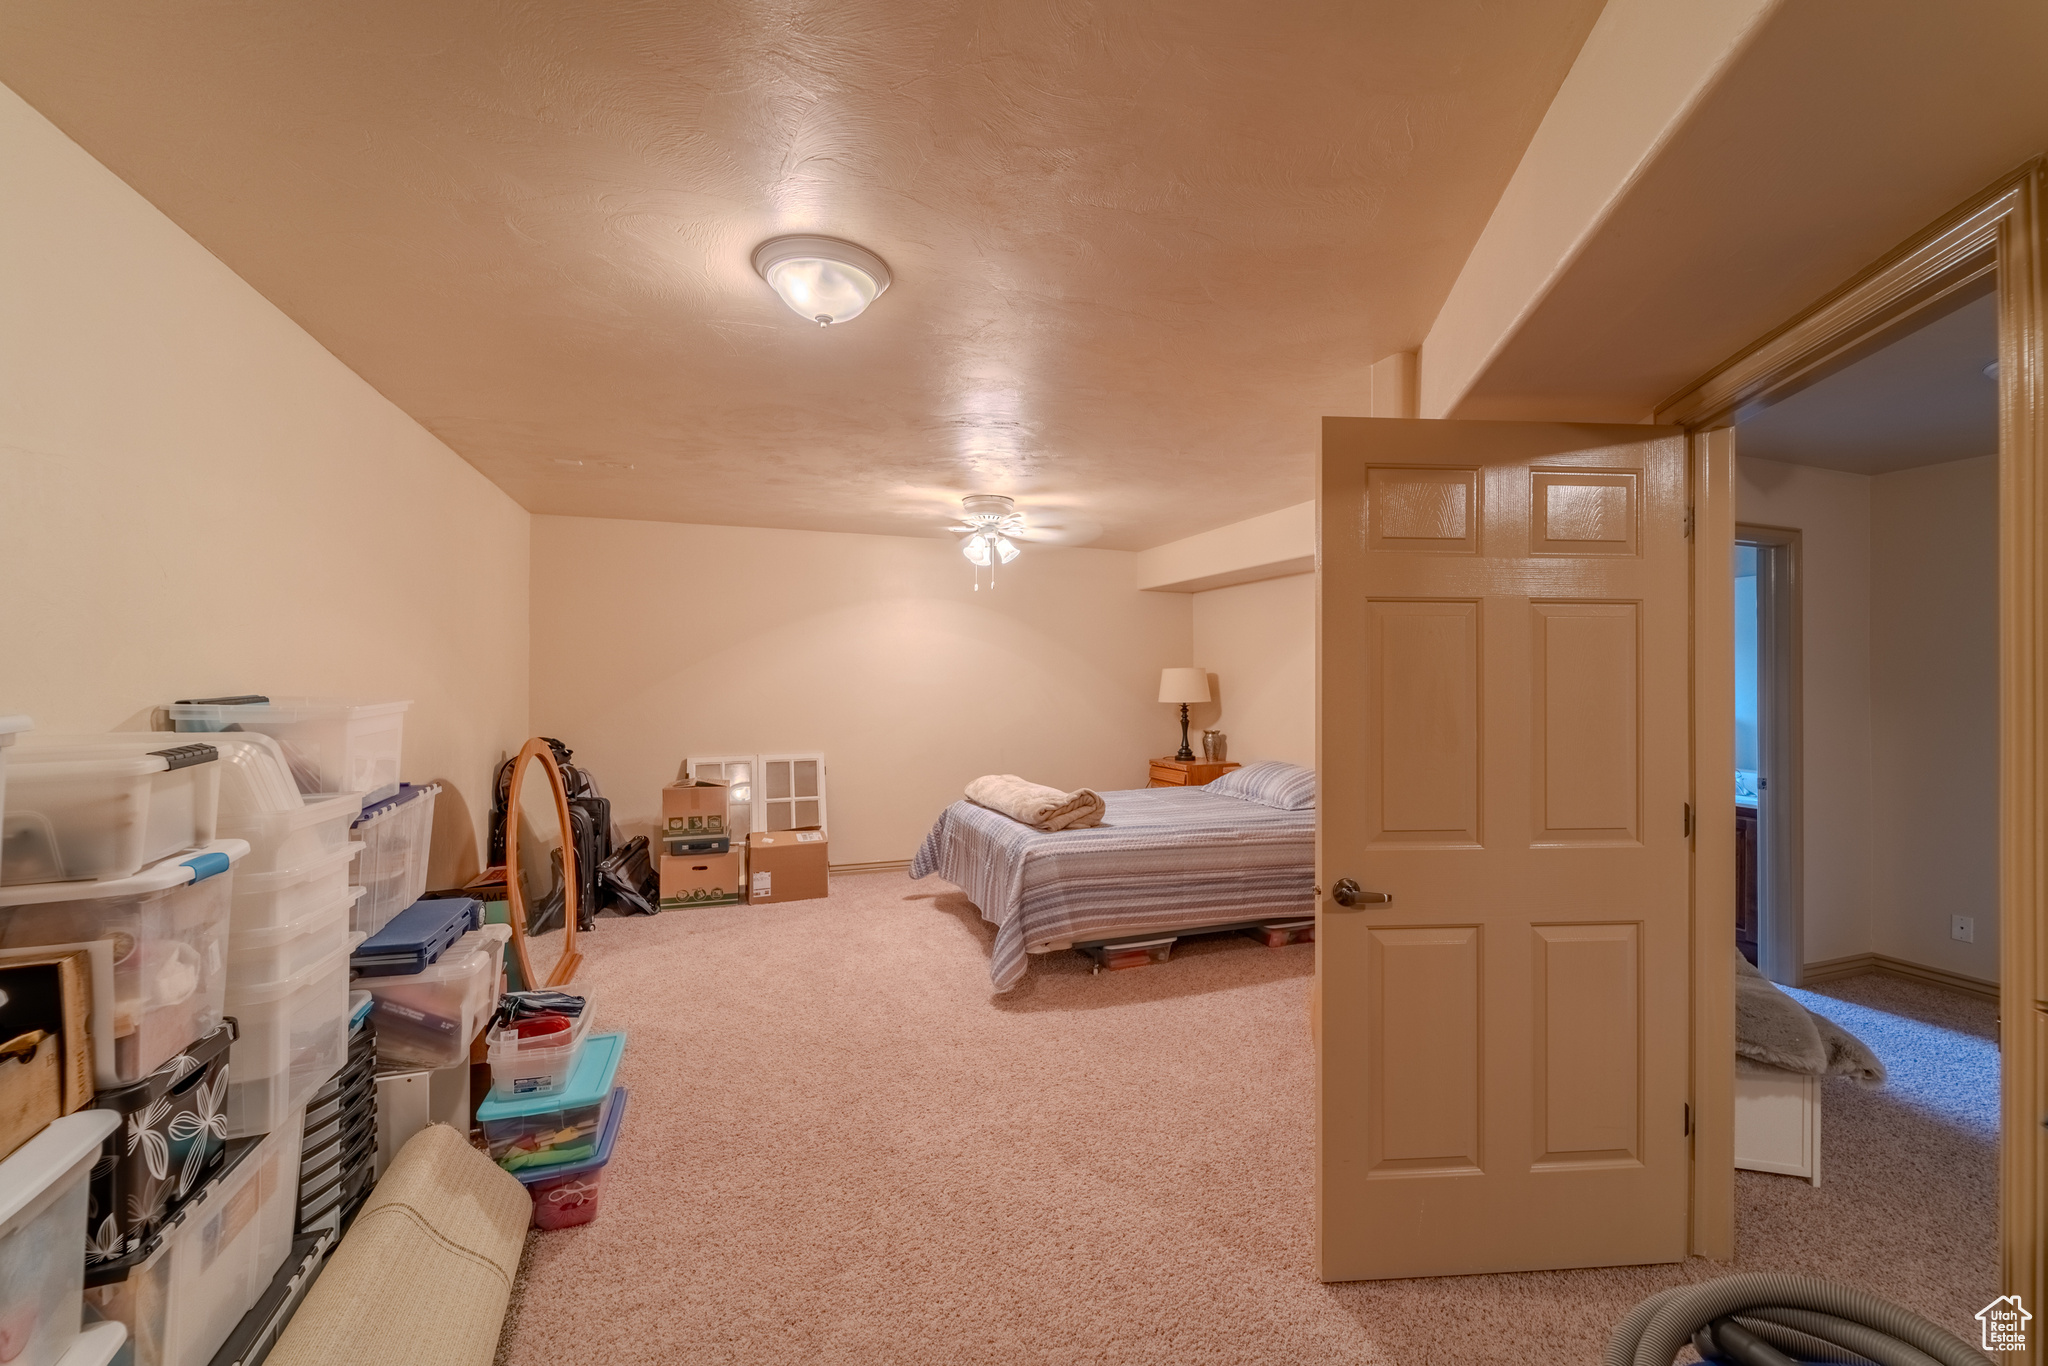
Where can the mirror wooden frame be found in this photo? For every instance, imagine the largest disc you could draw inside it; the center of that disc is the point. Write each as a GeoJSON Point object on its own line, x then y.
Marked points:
{"type": "Point", "coordinates": [515, 896]}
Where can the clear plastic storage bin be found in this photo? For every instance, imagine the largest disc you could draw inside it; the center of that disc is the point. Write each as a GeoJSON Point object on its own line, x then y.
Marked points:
{"type": "Point", "coordinates": [536, 1066]}
{"type": "Point", "coordinates": [10, 726]}
{"type": "Point", "coordinates": [159, 943]}
{"type": "Point", "coordinates": [259, 956]}
{"type": "Point", "coordinates": [267, 901]}
{"type": "Point", "coordinates": [531, 1132]}
{"type": "Point", "coordinates": [396, 835]}
{"type": "Point", "coordinates": [87, 811]}
{"type": "Point", "coordinates": [214, 1259]}
{"type": "Point", "coordinates": [566, 1196]}
{"type": "Point", "coordinates": [42, 1237]}
{"type": "Point", "coordinates": [294, 1036]}
{"type": "Point", "coordinates": [281, 841]}
{"type": "Point", "coordinates": [258, 803]}
{"type": "Point", "coordinates": [427, 1019]}
{"type": "Point", "coordinates": [329, 746]}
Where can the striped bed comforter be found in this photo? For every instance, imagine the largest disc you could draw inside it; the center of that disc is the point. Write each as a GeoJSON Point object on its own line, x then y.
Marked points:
{"type": "Point", "coordinates": [1163, 859]}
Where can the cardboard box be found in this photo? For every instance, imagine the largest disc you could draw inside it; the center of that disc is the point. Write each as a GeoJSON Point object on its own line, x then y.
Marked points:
{"type": "Point", "coordinates": [785, 865]}
{"type": "Point", "coordinates": [693, 809]}
{"type": "Point", "coordinates": [702, 880]}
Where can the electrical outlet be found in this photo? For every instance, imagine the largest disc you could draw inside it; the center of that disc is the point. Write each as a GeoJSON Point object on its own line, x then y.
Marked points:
{"type": "Point", "coordinates": [1962, 927]}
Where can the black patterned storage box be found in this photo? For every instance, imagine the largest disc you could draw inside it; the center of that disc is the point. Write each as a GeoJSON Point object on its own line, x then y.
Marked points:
{"type": "Point", "coordinates": [173, 1131]}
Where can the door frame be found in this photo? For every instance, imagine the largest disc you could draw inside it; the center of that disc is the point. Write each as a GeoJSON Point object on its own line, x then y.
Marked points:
{"type": "Point", "coordinates": [1781, 825]}
{"type": "Point", "coordinates": [1998, 233]}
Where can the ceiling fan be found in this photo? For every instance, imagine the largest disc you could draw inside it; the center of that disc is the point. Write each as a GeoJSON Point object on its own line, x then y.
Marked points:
{"type": "Point", "coordinates": [988, 521]}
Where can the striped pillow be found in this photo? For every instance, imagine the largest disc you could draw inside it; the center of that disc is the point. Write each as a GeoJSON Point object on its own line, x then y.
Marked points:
{"type": "Point", "coordinates": [1287, 787]}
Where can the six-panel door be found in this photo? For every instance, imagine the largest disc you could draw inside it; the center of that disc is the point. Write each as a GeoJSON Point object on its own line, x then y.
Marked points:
{"type": "Point", "coordinates": [1503, 748]}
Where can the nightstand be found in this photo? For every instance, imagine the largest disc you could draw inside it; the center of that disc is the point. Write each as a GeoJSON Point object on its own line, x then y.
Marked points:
{"type": "Point", "coordinates": [1186, 772]}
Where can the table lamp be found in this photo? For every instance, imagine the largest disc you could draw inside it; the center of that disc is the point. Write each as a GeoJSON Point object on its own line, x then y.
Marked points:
{"type": "Point", "coordinates": [1184, 686]}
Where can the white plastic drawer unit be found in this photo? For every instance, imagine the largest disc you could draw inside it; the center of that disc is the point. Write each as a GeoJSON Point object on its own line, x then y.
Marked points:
{"type": "Point", "coordinates": [769, 791]}
{"type": "Point", "coordinates": [89, 811]}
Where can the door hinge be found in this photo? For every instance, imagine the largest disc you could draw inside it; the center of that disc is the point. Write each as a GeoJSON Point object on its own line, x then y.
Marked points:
{"type": "Point", "coordinates": [1688, 1121]}
{"type": "Point", "coordinates": [1688, 523]}
{"type": "Point", "coordinates": [1688, 820]}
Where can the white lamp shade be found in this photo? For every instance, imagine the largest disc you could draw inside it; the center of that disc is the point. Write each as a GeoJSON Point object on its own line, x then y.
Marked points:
{"type": "Point", "coordinates": [1183, 685]}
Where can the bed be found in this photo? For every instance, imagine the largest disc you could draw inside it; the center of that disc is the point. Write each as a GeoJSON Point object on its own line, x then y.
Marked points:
{"type": "Point", "coordinates": [1163, 860]}
{"type": "Point", "coordinates": [1782, 1051]}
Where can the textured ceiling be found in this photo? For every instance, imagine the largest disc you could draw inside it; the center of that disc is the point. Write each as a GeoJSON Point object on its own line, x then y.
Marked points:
{"type": "Point", "coordinates": [1922, 400]}
{"type": "Point", "coordinates": [1139, 248]}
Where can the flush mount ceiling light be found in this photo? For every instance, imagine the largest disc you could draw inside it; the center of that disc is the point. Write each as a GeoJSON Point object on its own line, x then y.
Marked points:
{"type": "Point", "coordinates": [822, 278]}
{"type": "Point", "coordinates": [989, 519]}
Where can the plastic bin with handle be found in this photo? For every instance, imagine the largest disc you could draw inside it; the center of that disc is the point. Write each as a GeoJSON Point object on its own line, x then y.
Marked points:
{"type": "Point", "coordinates": [88, 811]}
{"type": "Point", "coordinates": [526, 1063]}
{"type": "Point", "coordinates": [188, 1287]}
{"type": "Point", "coordinates": [258, 803]}
{"type": "Point", "coordinates": [429, 1018]}
{"type": "Point", "coordinates": [531, 1132]}
{"type": "Point", "coordinates": [158, 946]}
{"type": "Point", "coordinates": [331, 746]}
{"type": "Point", "coordinates": [397, 835]}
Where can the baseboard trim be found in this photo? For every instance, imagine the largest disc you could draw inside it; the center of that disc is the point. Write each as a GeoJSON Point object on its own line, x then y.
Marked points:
{"type": "Point", "coordinates": [898, 865]}
{"type": "Point", "coordinates": [1836, 968]}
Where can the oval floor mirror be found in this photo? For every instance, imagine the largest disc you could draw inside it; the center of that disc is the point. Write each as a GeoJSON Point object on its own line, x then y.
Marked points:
{"type": "Point", "coordinates": [540, 870]}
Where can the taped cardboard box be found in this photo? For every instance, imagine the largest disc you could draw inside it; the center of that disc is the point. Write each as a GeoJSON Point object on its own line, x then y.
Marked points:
{"type": "Point", "coordinates": [694, 810]}
{"type": "Point", "coordinates": [785, 865]}
{"type": "Point", "coordinates": [702, 880]}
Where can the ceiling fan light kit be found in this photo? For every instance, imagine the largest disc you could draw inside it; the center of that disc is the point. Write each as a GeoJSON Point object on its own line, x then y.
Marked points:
{"type": "Point", "coordinates": [822, 278]}
{"type": "Point", "coordinates": [989, 520]}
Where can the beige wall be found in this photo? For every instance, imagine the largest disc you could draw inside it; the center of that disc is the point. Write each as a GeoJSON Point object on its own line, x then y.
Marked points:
{"type": "Point", "coordinates": [196, 498]}
{"type": "Point", "coordinates": [1643, 67]}
{"type": "Point", "coordinates": [1900, 651]}
{"type": "Point", "coordinates": [1934, 713]}
{"type": "Point", "coordinates": [1271, 545]}
{"type": "Point", "coordinates": [655, 641]}
{"type": "Point", "coordinates": [1258, 641]}
{"type": "Point", "coordinates": [1832, 511]}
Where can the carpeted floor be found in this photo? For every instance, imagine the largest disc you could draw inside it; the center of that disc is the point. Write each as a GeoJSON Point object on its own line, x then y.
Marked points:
{"type": "Point", "coordinates": [842, 1149]}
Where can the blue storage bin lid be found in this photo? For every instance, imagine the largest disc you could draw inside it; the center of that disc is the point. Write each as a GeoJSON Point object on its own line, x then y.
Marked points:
{"type": "Point", "coordinates": [589, 1084]}
{"type": "Point", "coordinates": [417, 936]}
{"type": "Point", "coordinates": [606, 1136]}
{"type": "Point", "coordinates": [384, 807]}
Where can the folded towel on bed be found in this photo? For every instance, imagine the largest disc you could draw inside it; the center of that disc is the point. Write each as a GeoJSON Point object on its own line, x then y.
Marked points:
{"type": "Point", "coordinates": [1773, 1029]}
{"type": "Point", "coordinates": [1042, 808]}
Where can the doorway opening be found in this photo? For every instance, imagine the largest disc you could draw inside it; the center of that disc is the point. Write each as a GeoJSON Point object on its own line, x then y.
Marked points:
{"type": "Point", "coordinates": [1867, 748]}
{"type": "Point", "coordinates": [1768, 809]}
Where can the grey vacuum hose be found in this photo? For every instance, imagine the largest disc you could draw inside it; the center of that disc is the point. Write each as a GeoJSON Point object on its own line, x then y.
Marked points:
{"type": "Point", "coordinates": [1758, 1318]}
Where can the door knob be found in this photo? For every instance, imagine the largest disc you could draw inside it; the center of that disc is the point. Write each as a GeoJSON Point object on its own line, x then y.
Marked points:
{"type": "Point", "coordinates": [1348, 894]}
